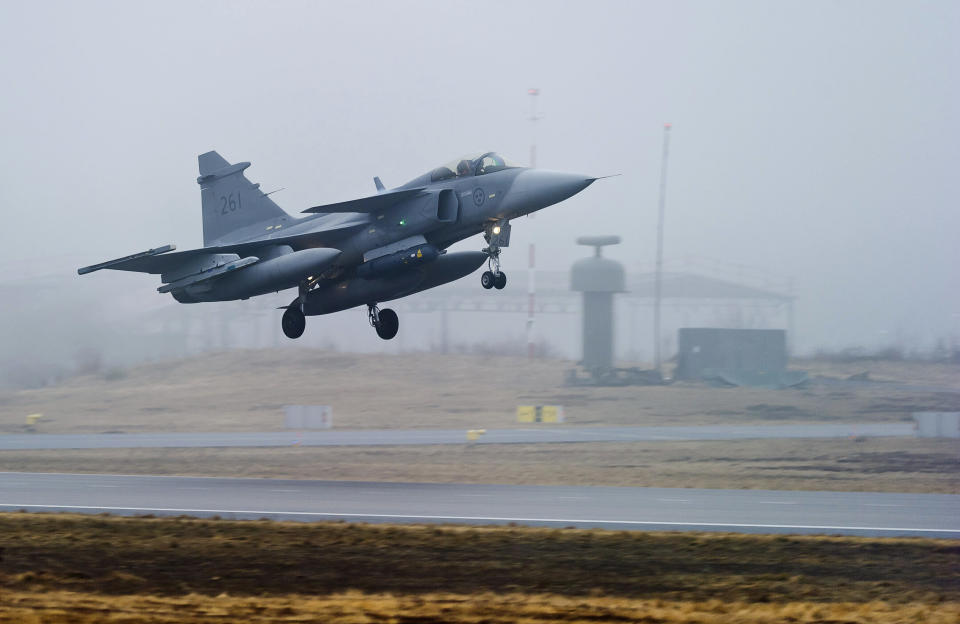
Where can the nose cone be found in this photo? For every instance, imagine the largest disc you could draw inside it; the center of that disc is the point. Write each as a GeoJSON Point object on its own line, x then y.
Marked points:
{"type": "Point", "coordinates": [535, 189]}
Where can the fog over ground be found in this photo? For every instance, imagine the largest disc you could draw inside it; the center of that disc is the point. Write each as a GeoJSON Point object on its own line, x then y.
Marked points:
{"type": "Point", "coordinates": [814, 140]}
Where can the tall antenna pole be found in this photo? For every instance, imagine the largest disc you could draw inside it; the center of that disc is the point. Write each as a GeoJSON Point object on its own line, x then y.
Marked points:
{"type": "Point", "coordinates": [657, 285]}
{"type": "Point", "coordinates": [534, 93]}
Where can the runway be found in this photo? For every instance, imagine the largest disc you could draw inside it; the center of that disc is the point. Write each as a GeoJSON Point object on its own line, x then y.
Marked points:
{"type": "Point", "coordinates": [741, 511]}
{"type": "Point", "coordinates": [393, 437]}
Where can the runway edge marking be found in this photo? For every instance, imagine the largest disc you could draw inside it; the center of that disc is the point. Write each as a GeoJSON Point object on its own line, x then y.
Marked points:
{"type": "Point", "coordinates": [15, 507]}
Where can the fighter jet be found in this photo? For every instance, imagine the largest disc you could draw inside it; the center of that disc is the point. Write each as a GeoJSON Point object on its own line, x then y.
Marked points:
{"type": "Point", "coordinates": [360, 252]}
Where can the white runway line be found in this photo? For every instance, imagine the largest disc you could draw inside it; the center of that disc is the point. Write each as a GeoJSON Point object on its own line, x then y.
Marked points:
{"type": "Point", "coordinates": [318, 514]}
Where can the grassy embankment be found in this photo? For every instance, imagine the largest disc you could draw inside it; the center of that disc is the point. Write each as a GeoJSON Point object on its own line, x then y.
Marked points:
{"type": "Point", "coordinates": [246, 391]}
{"type": "Point", "coordinates": [873, 465]}
{"type": "Point", "coordinates": [62, 568]}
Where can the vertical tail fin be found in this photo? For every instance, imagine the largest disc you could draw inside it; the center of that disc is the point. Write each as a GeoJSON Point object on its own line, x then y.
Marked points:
{"type": "Point", "coordinates": [231, 203]}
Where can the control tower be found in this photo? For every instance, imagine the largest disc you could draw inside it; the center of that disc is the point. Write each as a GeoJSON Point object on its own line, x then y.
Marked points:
{"type": "Point", "coordinates": [598, 278]}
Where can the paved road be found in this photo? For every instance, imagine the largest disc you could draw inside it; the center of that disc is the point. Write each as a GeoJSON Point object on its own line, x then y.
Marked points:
{"type": "Point", "coordinates": [382, 437]}
{"type": "Point", "coordinates": [883, 385]}
{"type": "Point", "coordinates": [744, 511]}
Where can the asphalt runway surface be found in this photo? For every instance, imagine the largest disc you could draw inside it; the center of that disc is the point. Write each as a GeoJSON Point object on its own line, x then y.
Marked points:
{"type": "Point", "coordinates": [741, 511]}
{"type": "Point", "coordinates": [393, 437]}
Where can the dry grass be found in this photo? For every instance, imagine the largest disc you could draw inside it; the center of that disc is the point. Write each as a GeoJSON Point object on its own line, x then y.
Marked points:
{"type": "Point", "coordinates": [357, 608]}
{"type": "Point", "coordinates": [179, 556]}
{"type": "Point", "coordinates": [67, 568]}
{"type": "Point", "coordinates": [63, 568]}
{"type": "Point", "coordinates": [245, 391]}
{"type": "Point", "coordinates": [909, 372]}
{"type": "Point", "coordinates": [877, 465]}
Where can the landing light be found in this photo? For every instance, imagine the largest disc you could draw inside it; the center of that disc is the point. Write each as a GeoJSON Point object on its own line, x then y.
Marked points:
{"type": "Point", "coordinates": [496, 229]}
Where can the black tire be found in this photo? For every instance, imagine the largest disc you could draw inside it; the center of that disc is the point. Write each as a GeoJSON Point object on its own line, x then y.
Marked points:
{"type": "Point", "coordinates": [500, 280]}
{"type": "Point", "coordinates": [487, 280]}
{"type": "Point", "coordinates": [293, 321]}
{"type": "Point", "coordinates": [389, 324]}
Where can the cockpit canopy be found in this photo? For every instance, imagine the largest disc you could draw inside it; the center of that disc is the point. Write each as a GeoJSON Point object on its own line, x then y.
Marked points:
{"type": "Point", "coordinates": [471, 165]}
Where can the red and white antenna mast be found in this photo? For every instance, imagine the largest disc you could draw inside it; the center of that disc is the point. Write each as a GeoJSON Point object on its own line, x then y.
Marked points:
{"type": "Point", "coordinates": [534, 93]}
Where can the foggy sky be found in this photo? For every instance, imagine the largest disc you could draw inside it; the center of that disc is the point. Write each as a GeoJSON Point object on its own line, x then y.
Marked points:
{"type": "Point", "coordinates": [814, 140]}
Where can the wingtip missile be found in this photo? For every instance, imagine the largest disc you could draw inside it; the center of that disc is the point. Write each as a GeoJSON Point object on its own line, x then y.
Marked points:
{"type": "Point", "coordinates": [110, 263]}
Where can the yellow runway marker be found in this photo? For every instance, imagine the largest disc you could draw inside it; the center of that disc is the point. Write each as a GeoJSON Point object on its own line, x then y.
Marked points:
{"type": "Point", "coordinates": [473, 434]}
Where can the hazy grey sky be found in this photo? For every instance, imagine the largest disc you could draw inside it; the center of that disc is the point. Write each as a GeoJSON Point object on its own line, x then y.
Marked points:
{"type": "Point", "coordinates": [818, 140]}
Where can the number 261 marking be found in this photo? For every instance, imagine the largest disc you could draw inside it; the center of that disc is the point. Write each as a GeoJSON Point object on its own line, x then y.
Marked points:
{"type": "Point", "coordinates": [229, 204]}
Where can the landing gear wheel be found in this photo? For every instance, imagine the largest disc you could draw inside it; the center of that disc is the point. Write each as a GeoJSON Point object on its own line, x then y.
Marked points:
{"type": "Point", "coordinates": [389, 324]}
{"type": "Point", "coordinates": [293, 321]}
{"type": "Point", "coordinates": [488, 280]}
{"type": "Point", "coordinates": [500, 280]}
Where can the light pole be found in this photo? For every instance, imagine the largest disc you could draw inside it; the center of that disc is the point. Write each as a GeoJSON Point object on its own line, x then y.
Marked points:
{"type": "Point", "coordinates": [658, 279]}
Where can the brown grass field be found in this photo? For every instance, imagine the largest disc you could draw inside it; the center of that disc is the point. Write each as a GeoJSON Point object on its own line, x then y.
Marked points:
{"type": "Point", "coordinates": [877, 465]}
{"type": "Point", "coordinates": [66, 568]}
{"type": "Point", "coordinates": [81, 569]}
{"type": "Point", "coordinates": [484, 608]}
{"type": "Point", "coordinates": [246, 390]}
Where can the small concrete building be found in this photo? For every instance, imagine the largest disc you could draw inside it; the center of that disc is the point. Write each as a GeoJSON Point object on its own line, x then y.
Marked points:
{"type": "Point", "coordinates": [937, 424]}
{"type": "Point", "coordinates": [703, 351]}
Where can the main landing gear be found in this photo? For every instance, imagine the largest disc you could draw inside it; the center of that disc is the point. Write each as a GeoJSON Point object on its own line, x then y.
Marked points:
{"type": "Point", "coordinates": [385, 321]}
{"type": "Point", "coordinates": [293, 321]}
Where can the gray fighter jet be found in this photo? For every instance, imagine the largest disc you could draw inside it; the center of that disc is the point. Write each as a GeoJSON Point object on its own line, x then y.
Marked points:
{"type": "Point", "coordinates": [358, 252]}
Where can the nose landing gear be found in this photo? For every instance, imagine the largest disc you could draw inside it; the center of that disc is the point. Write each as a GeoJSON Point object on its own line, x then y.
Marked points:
{"type": "Point", "coordinates": [493, 279]}
{"type": "Point", "coordinates": [487, 280]}
{"type": "Point", "coordinates": [497, 236]}
{"type": "Point", "coordinates": [385, 321]}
